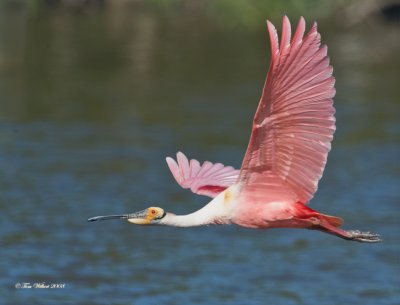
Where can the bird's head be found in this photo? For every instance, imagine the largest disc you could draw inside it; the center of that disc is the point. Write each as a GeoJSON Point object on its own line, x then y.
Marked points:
{"type": "Point", "coordinates": [149, 216]}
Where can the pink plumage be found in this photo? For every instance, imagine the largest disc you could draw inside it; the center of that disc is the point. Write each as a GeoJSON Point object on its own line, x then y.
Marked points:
{"type": "Point", "coordinates": [292, 129]}
{"type": "Point", "coordinates": [208, 179]}
{"type": "Point", "coordinates": [290, 140]}
{"type": "Point", "coordinates": [294, 123]}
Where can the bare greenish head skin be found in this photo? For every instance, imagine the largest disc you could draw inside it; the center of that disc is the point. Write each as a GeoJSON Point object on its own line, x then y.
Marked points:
{"type": "Point", "coordinates": [151, 215]}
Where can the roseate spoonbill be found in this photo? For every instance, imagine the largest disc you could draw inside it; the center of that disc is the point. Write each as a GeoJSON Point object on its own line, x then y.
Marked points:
{"type": "Point", "coordinates": [290, 139]}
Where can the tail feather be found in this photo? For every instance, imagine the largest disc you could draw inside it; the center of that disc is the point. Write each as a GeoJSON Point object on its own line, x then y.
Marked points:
{"type": "Point", "coordinates": [302, 211]}
{"type": "Point", "coordinates": [332, 220]}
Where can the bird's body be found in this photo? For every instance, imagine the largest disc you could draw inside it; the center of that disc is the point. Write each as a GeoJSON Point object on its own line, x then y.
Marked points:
{"type": "Point", "coordinates": [291, 136]}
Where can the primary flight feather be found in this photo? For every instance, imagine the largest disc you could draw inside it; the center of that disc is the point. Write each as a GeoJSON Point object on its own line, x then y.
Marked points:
{"type": "Point", "coordinates": [290, 140]}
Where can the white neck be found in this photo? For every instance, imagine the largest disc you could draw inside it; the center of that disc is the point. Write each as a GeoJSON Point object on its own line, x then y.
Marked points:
{"type": "Point", "coordinates": [217, 211]}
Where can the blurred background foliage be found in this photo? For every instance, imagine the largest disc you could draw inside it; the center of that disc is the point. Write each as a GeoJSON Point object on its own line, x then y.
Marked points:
{"type": "Point", "coordinates": [88, 59]}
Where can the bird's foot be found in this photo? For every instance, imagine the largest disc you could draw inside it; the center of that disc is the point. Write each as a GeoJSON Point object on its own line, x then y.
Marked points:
{"type": "Point", "coordinates": [364, 237]}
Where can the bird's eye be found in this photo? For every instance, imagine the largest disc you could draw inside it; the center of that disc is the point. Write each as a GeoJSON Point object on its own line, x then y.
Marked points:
{"type": "Point", "coordinates": [153, 211]}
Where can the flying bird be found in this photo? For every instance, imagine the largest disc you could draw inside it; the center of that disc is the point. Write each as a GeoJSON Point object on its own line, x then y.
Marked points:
{"type": "Point", "coordinates": [290, 140]}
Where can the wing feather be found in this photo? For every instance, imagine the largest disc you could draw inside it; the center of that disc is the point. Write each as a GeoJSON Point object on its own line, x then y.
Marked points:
{"type": "Point", "coordinates": [208, 179]}
{"type": "Point", "coordinates": [294, 123]}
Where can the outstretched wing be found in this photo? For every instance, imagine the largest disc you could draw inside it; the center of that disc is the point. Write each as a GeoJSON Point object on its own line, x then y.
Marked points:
{"type": "Point", "coordinates": [208, 179]}
{"type": "Point", "coordinates": [294, 123]}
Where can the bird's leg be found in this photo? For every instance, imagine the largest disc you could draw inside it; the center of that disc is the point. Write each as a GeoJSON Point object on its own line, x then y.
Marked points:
{"type": "Point", "coordinates": [366, 237]}
{"type": "Point", "coordinates": [331, 225]}
{"type": "Point", "coordinates": [355, 235]}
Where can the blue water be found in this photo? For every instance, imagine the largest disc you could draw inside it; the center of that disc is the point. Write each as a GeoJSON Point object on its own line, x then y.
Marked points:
{"type": "Point", "coordinates": [86, 138]}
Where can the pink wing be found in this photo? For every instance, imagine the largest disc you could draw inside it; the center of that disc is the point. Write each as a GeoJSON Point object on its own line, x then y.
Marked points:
{"type": "Point", "coordinates": [294, 123]}
{"type": "Point", "coordinates": [208, 179]}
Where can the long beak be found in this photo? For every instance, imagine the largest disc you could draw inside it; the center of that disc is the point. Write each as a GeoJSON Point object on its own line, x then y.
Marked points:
{"type": "Point", "coordinates": [122, 216]}
{"type": "Point", "coordinates": [137, 218]}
